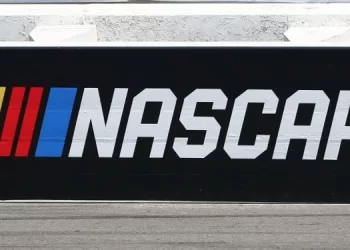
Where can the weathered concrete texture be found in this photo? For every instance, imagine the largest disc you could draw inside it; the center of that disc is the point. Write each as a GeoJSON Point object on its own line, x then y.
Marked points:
{"type": "Point", "coordinates": [318, 21]}
{"type": "Point", "coordinates": [148, 28]}
{"type": "Point", "coordinates": [190, 28]}
{"type": "Point", "coordinates": [17, 28]}
{"type": "Point", "coordinates": [173, 27]}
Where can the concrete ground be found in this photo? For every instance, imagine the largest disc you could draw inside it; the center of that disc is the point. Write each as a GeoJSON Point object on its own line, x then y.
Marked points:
{"type": "Point", "coordinates": [227, 1]}
{"type": "Point", "coordinates": [169, 226]}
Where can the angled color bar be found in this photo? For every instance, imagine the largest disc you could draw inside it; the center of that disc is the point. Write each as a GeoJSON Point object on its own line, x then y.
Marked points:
{"type": "Point", "coordinates": [11, 121]}
{"type": "Point", "coordinates": [2, 94]}
{"type": "Point", "coordinates": [55, 123]}
{"type": "Point", "coordinates": [29, 121]}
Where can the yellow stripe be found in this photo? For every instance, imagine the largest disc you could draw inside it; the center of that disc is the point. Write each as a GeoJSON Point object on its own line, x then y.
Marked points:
{"type": "Point", "coordinates": [2, 93]}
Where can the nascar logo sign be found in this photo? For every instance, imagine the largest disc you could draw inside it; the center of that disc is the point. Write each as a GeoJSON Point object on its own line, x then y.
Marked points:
{"type": "Point", "coordinates": [235, 123]}
{"type": "Point", "coordinates": [23, 104]}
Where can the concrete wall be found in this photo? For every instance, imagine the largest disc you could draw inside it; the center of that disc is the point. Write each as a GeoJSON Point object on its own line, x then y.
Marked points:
{"type": "Point", "coordinates": [174, 22]}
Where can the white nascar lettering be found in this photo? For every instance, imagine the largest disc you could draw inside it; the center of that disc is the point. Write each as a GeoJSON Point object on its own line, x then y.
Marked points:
{"type": "Point", "coordinates": [159, 131]}
{"type": "Point", "coordinates": [312, 133]}
{"type": "Point", "coordinates": [91, 112]}
{"type": "Point", "coordinates": [209, 124]}
{"type": "Point", "coordinates": [338, 131]}
{"type": "Point", "coordinates": [231, 146]}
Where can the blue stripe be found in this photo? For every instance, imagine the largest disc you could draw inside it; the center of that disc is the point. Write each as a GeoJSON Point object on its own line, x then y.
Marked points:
{"type": "Point", "coordinates": [55, 123]}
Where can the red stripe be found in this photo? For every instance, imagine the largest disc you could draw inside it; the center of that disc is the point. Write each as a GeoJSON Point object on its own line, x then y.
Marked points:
{"type": "Point", "coordinates": [11, 121]}
{"type": "Point", "coordinates": [29, 121]}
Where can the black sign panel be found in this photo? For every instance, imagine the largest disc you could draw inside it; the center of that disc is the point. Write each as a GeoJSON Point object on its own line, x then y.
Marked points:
{"type": "Point", "coordinates": [175, 123]}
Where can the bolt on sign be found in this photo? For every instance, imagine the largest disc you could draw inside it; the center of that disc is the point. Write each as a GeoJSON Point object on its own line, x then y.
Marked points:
{"type": "Point", "coordinates": [144, 121]}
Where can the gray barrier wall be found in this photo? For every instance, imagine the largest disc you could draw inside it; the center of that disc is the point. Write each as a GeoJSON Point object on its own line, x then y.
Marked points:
{"type": "Point", "coordinates": [174, 22]}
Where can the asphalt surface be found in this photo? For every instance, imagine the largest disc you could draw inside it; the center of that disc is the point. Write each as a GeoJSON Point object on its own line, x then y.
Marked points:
{"type": "Point", "coordinates": [146, 1]}
{"type": "Point", "coordinates": [174, 226]}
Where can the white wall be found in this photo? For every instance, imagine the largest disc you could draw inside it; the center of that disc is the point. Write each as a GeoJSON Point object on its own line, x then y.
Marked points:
{"type": "Point", "coordinates": [174, 22]}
